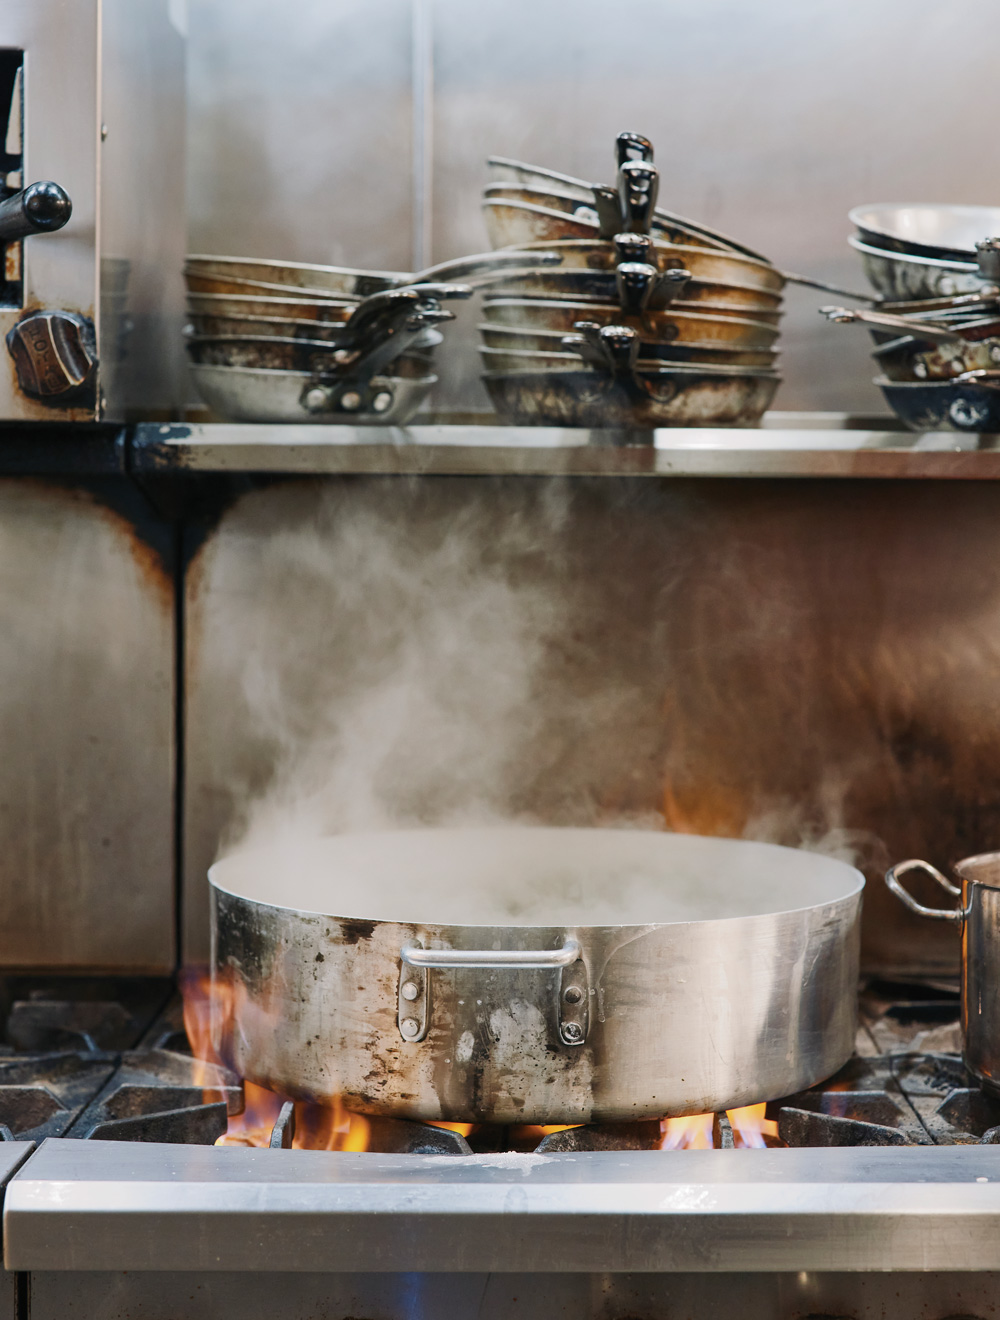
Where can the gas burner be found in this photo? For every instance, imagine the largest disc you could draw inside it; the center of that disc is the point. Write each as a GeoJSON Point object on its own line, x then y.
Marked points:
{"type": "Point", "coordinates": [96, 1058]}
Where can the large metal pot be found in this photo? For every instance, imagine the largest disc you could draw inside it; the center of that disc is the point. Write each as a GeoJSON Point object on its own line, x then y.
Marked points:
{"type": "Point", "coordinates": [978, 916]}
{"type": "Point", "coordinates": [535, 975]}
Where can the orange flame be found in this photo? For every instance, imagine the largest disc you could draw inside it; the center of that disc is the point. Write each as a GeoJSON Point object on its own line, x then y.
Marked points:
{"type": "Point", "coordinates": [210, 1007]}
{"type": "Point", "coordinates": [210, 1004]}
{"type": "Point", "coordinates": [695, 1132]}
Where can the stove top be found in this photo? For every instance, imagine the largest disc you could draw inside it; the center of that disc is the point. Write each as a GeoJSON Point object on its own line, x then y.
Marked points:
{"type": "Point", "coordinates": [107, 1059]}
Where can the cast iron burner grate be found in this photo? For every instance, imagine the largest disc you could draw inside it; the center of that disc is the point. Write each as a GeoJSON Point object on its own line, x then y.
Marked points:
{"type": "Point", "coordinates": [107, 1059]}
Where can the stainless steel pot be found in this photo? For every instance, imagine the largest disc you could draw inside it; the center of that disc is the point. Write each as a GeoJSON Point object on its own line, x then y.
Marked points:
{"type": "Point", "coordinates": [535, 975]}
{"type": "Point", "coordinates": [978, 917]}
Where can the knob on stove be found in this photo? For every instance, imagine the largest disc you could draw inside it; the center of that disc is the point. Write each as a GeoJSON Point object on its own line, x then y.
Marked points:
{"type": "Point", "coordinates": [54, 353]}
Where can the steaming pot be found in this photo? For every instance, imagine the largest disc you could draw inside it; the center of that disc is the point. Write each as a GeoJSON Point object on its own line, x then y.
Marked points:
{"type": "Point", "coordinates": [530, 975]}
{"type": "Point", "coordinates": [978, 914]}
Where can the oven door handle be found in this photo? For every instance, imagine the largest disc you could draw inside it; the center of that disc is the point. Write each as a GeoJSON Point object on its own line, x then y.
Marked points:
{"type": "Point", "coordinates": [914, 864]}
{"type": "Point", "coordinates": [41, 208]}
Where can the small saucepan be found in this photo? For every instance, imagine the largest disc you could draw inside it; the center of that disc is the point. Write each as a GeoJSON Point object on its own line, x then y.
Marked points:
{"type": "Point", "coordinates": [977, 917]}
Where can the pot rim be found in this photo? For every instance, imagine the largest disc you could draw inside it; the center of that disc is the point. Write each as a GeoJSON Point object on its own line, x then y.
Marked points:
{"type": "Point", "coordinates": [987, 857]}
{"type": "Point", "coordinates": [851, 894]}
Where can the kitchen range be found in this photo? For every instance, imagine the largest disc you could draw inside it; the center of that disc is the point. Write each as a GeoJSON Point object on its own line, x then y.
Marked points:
{"type": "Point", "coordinates": [452, 864]}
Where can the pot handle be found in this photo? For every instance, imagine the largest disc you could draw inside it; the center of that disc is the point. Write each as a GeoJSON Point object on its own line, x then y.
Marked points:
{"type": "Point", "coordinates": [572, 1001]}
{"type": "Point", "coordinates": [914, 864]}
{"type": "Point", "coordinates": [497, 959]}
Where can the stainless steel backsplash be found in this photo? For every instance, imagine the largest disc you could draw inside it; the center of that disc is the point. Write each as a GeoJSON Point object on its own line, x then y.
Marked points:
{"type": "Point", "coordinates": [357, 132]}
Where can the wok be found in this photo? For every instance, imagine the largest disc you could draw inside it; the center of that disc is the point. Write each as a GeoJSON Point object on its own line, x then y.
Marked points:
{"type": "Point", "coordinates": [970, 402]}
{"type": "Point", "coordinates": [244, 394]}
{"type": "Point", "coordinates": [912, 358]}
{"type": "Point", "coordinates": [922, 230]}
{"type": "Point", "coordinates": [902, 277]}
{"type": "Point", "coordinates": [679, 324]}
{"type": "Point", "coordinates": [550, 341]}
{"type": "Point", "coordinates": [520, 975]}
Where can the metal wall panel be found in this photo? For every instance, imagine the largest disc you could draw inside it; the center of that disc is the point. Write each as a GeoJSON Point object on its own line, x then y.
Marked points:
{"type": "Point", "coordinates": [810, 663]}
{"type": "Point", "coordinates": [86, 724]}
{"type": "Point", "coordinates": [299, 130]}
{"type": "Point", "coordinates": [771, 120]}
{"type": "Point", "coordinates": [142, 214]}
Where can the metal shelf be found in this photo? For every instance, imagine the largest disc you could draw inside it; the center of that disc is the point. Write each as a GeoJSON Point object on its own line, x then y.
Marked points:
{"type": "Point", "coordinates": [787, 445]}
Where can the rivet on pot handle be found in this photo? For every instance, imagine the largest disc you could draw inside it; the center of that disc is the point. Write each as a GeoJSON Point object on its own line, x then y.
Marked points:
{"type": "Point", "coordinates": [572, 1009]}
{"type": "Point", "coordinates": [914, 864]}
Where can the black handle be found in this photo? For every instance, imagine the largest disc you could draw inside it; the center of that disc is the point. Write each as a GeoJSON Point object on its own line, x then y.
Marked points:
{"type": "Point", "coordinates": [41, 208]}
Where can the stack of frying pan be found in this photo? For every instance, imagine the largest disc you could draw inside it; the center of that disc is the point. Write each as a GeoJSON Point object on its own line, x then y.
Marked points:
{"type": "Point", "coordinates": [277, 341]}
{"type": "Point", "coordinates": [649, 319]}
{"type": "Point", "coordinates": [936, 324]}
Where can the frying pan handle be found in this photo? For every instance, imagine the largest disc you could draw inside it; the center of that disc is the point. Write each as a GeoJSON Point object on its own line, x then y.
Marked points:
{"type": "Point", "coordinates": [496, 959]}
{"type": "Point", "coordinates": [914, 864]}
{"type": "Point", "coordinates": [935, 334]}
{"type": "Point", "coordinates": [988, 259]}
{"type": "Point", "coordinates": [638, 184]}
{"type": "Point", "coordinates": [635, 282]}
{"type": "Point", "coordinates": [633, 146]}
{"type": "Point", "coordinates": [989, 380]}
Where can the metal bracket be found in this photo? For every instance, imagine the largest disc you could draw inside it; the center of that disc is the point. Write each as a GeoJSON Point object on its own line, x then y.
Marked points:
{"type": "Point", "coordinates": [573, 1008]}
{"type": "Point", "coordinates": [413, 996]}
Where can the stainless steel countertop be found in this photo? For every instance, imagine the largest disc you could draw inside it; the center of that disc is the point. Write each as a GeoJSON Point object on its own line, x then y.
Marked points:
{"type": "Point", "coordinates": [788, 445]}
{"type": "Point", "coordinates": [117, 1206]}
